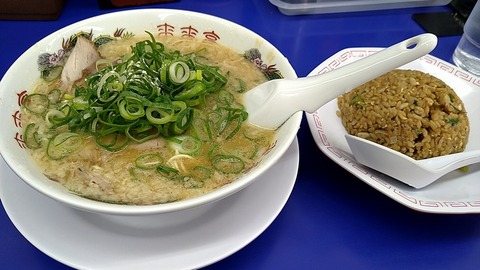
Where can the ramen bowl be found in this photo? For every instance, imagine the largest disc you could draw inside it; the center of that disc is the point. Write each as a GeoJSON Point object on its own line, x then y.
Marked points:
{"type": "Point", "coordinates": [15, 85]}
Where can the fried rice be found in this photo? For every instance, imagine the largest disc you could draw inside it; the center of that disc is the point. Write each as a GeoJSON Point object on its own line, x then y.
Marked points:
{"type": "Point", "coordinates": [408, 111]}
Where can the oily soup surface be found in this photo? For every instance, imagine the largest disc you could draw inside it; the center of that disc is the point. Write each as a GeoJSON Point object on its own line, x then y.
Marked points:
{"type": "Point", "coordinates": [131, 175]}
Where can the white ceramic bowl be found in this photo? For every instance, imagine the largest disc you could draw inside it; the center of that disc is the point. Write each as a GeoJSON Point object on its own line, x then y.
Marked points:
{"type": "Point", "coordinates": [158, 21]}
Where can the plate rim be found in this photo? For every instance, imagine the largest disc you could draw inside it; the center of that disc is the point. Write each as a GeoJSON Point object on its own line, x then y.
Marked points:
{"type": "Point", "coordinates": [370, 176]}
{"type": "Point", "coordinates": [293, 164]}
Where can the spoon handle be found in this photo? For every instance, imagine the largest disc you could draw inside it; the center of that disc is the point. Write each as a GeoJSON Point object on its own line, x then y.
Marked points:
{"type": "Point", "coordinates": [318, 90]}
{"type": "Point", "coordinates": [272, 103]}
{"type": "Point", "coordinates": [448, 163]}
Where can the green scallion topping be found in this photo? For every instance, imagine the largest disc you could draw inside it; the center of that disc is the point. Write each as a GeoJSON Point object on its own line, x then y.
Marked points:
{"type": "Point", "coordinates": [148, 94]}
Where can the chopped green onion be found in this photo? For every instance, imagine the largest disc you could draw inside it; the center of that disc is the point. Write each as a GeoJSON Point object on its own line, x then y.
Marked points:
{"type": "Point", "coordinates": [102, 94]}
{"type": "Point", "coordinates": [52, 116]}
{"type": "Point", "coordinates": [228, 163]}
{"type": "Point", "coordinates": [200, 129]}
{"type": "Point", "coordinates": [36, 103]}
{"type": "Point", "coordinates": [225, 97]}
{"type": "Point", "coordinates": [201, 173]}
{"type": "Point", "coordinates": [191, 182]}
{"type": "Point", "coordinates": [54, 95]}
{"type": "Point", "coordinates": [196, 89]}
{"type": "Point", "coordinates": [167, 171]}
{"type": "Point", "coordinates": [179, 72]}
{"type": "Point", "coordinates": [51, 74]}
{"type": "Point", "coordinates": [63, 145]}
{"type": "Point", "coordinates": [112, 142]}
{"type": "Point", "coordinates": [131, 109]}
{"type": "Point", "coordinates": [185, 144]}
{"type": "Point", "coordinates": [80, 103]}
{"type": "Point", "coordinates": [149, 161]}
{"type": "Point", "coordinates": [150, 93]}
{"type": "Point", "coordinates": [158, 116]}
{"type": "Point", "coordinates": [30, 136]}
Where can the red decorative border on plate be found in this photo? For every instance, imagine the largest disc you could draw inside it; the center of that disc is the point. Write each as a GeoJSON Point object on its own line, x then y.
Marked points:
{"type": "Point", "coordinates": [360, 53]}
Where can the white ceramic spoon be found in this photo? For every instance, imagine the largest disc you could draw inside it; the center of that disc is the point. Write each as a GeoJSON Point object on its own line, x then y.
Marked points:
{"type": "Point", "coordinates": [270, 104]}
{"type": "Point", "coordinates": [416, 173]}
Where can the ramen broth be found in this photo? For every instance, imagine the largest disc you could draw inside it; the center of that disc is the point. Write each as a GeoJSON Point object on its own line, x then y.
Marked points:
{"type": "Point", "coordinates": [161, 170]}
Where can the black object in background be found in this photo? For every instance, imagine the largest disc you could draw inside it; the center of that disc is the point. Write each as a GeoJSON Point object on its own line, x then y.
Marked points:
{"type": "Point", "coordinates": [45, 10]}
{"type": "Point", "coordinates": [446, 23]}
{"type": "Point", "coordinates": [110, 4]}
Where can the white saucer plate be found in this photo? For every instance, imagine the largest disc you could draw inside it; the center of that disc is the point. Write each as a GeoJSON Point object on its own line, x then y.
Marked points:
{"type": "Point", "coordinates": [186, 239]}
{"type": "Point", "coordinates": [455, 193]}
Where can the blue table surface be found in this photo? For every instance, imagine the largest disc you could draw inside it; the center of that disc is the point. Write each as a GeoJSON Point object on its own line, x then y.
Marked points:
{"type": "Point", "coordinates": [332, 219]}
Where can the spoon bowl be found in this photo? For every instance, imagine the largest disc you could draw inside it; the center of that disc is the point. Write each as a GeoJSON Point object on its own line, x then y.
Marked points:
{"type": "Point", "coordinates": [415, 173]}
{"type": "Point", "coordinates": [270, 104]}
